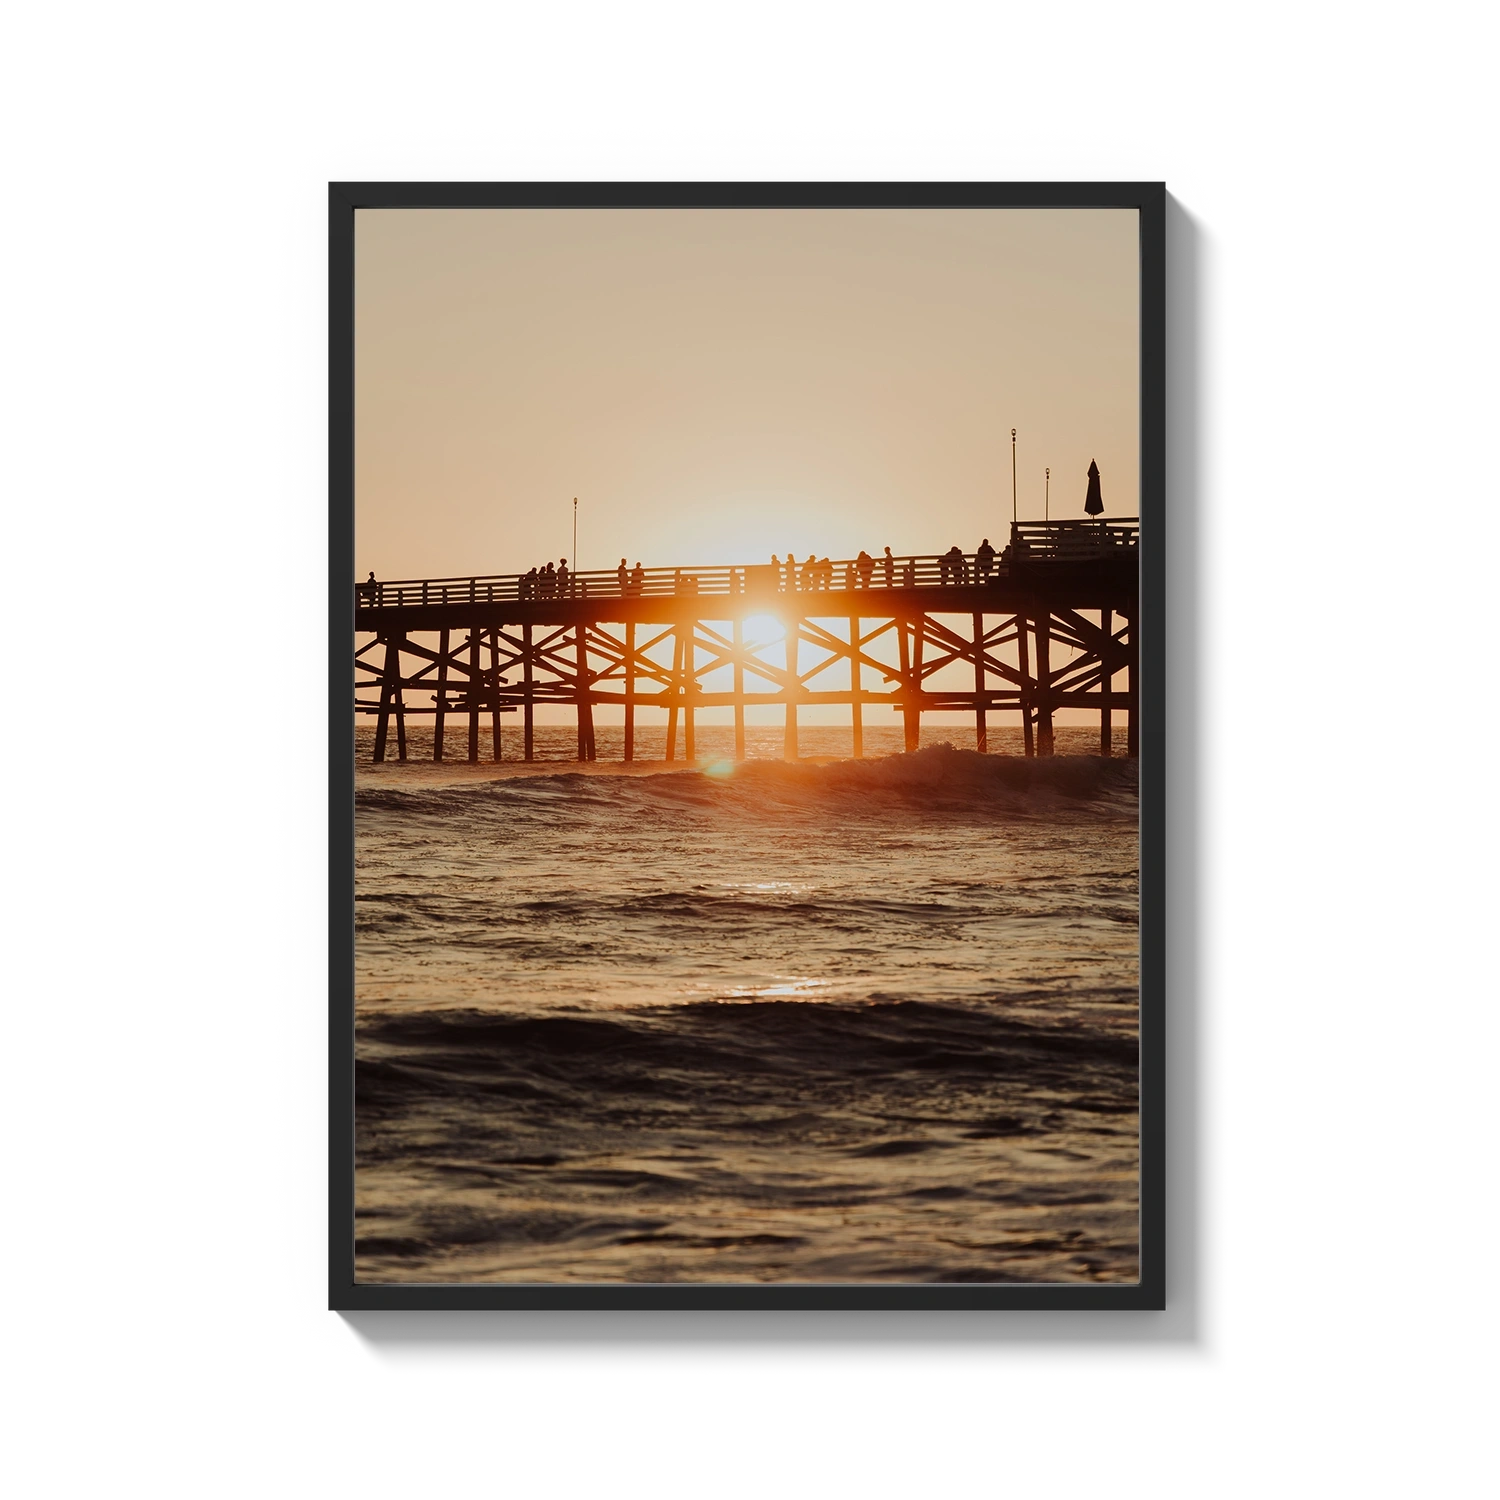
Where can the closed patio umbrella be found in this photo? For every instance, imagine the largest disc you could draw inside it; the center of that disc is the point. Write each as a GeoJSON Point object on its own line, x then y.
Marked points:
{"type": "Point", "coordinates": [1094, 503]}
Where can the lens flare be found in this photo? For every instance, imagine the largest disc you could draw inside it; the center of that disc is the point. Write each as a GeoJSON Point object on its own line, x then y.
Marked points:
{"type": "Point", "coordinates": [762, 630]}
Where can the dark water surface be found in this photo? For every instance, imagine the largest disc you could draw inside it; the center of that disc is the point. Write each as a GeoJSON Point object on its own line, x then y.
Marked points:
{"type": "Point", "coordinates": [857, 1021]}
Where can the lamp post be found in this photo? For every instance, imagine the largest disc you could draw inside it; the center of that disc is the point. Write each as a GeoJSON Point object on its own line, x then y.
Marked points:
{"type": "Point", "coordinates": [1047, 503]}
{"type": "Point", "coordinates": [575, 533]}
{"type": "Point", "coordinates": [1013, 477]}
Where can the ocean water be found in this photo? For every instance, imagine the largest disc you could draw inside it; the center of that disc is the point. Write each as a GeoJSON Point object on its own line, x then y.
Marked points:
{"type": "Point", "coordinates": [843, 1021]}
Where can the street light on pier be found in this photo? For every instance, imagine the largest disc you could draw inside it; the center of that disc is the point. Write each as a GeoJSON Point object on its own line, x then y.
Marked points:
{"type": "Point", "coordinates": [1013, 476]}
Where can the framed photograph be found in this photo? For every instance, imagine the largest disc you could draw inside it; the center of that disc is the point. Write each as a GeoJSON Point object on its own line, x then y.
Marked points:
{"type": "Point", "coordinates": [746, 734]}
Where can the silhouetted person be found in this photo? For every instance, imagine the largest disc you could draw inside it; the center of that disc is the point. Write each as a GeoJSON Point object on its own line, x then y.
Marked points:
{"type": "Point", "coordinates": [791, 572]}
{"type": "Point", "coordinates": [623, 574]}
{"type": "Point", "coordinates": [984, 559]}
{"type": "Point", "coordinates": [370, 589]}
{"type": "Point", "coordinates": [890, 569]}
{"type": "Point", "coordinates": [637, 579]}
{"type": "Point", "coordinates": [563, 579]}
{"type": "Point", "coordinates": [866, 565]}
{"type": "Point", "coordinates": [528, 585]}
{"type": "Point", "coordinates": [548, 581]}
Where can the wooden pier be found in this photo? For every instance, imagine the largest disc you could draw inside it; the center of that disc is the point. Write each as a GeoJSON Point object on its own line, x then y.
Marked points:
{"type": "Point", "coordinates": [1050, 624]}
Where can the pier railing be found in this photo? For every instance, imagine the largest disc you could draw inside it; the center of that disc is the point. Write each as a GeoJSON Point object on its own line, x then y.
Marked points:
{"type": "Point", "coordinates": [1032, 543]}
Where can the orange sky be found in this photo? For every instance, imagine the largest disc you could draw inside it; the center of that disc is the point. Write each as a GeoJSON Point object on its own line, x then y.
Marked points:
{"type": "Point", "coordinates": [716, 386]}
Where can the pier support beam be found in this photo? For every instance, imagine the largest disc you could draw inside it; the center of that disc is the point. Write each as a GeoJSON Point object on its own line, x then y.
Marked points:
{"type": "Point", "coordinates": [1132, 696]}
{"type": "Point", "coordinates": [584, 698]}
{"type": "Point", "coordinates": [527, 706]}
{"type": "Point", "coordinates": [1106, 675]}
{"type": "Point", "coordinates": [789, 749]}
{"type": "Point", "coordinates": [981, 728]}
{"type": "Point", "coordinates": [739, 690]}
{"type": "Point", "coordinates": [857, 748]}
{"type": "Point", "coordinates": [474, 693]}
{"type": "Point", "coordinates": [495, 690]}
{"type": "Point", "coordinates": [1023, 656]}
{"type": "Point", "coordinates": [1044, 681]}
{"type": "Point", "coordinates": [676, 697]}
{"type": "Point", "coordinates": [442, 696]}
{"type": "Point", "coordinates": [630, 691]}
{"type": "Point", "coordinates": [911, 715]}
{"type": "Point", "coordinates": [388, 681]}
{"type": "Point", "coordinates": [689, 691]}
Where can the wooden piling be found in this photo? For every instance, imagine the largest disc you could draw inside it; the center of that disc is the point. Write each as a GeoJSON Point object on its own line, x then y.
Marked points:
{"type": "Point", "coordinates": [1106, 661]}
{"type": "Point", "coordinates": [676, 694]}
{"type": "Point", "coordinates": [1044, 681]}
{"type": "Point", "coordinates": [474, 693]}
{"type": "Point", "coordinates": [527, 704]}
{"type": "Point", "coordinates": [630, 690]}
{"type": "Point", "coordinates": [689, 695]}
{"type": "Point", "coordinates": [387, 680]}
{"type": "Point", "coordinates": [1132, 696]}
{"type": "Point", "coordinates": [495, 691]}
{"type": "Point", "coordinates": [856, 708]}
{"type": "Point", "coordinates": [911, 714]}
{"type": "Point", "coordinates": [981, 728]}
{"type": "Point", "coordinates": [442, 696]}
{"type": "Point", "coordinates": [398, 687]}
{"type": "Point", "coordinates": [789, 750]}
{"type": "Point", "coordinates": [739, 690]}
{"type": "Point", "coordinates": [1024, 658]}
{"type": "Point", "coordinates": [583, 698]}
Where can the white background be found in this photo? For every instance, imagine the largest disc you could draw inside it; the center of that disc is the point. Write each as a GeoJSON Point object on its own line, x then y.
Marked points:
{"type": "Point", "coordinates": [1333, 760]}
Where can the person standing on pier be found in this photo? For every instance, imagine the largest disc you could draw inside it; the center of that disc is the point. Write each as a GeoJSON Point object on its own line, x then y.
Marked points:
{"type": "Point", "coordinates": [866, 565]}
{"type": "Point", "coordinates": [562, 578]}
{"type": "Point", "coordinates": [984, 560]}
{"type": "Point", "coordinates": [890, 569]}
{"type": "Point", "coordinates": [623, 574]}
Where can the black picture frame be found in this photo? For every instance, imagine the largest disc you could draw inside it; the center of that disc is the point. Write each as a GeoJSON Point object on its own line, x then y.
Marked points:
{"type": "Point", "coordinates": [1185, 461]}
